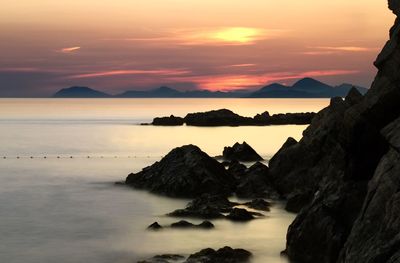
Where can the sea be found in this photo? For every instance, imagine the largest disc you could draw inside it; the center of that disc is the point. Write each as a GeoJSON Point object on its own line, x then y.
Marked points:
{"type": "Point", "coordinates": [60, 159]}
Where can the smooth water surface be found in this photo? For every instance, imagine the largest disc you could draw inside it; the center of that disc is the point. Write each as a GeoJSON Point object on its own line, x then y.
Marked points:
{"type": "Point", "coordinates": [55, 208]}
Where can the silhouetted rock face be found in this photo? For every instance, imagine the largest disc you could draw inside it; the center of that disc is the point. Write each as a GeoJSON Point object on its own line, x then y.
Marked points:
{"type": "Point", "coordinates": [168, 121]}
{"type": "Point", "coordinates": [349, 159]}
{"type": "Point", "coordinates": [222, 255]}
{"type": "Point", "coordinates": [184, 172]}
{"type": "Point", "coordinates": [221, 117]}
{"type": "Point", "coordinates": [241, 152]}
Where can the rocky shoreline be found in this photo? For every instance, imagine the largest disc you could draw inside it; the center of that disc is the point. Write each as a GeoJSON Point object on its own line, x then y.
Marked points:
{"type": "Point", "coordinates": [342, 177]}
{"type": "Point", "coordinates": [224, 117]}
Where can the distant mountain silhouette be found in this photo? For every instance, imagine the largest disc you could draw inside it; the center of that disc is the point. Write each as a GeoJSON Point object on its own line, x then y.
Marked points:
{"type": "Point", "coordinates": [304, 88]}
{"type": "Point", "coordinates": [80, 92]}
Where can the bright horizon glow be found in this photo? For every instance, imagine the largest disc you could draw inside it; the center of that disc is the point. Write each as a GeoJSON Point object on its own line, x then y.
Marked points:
{"type": "Point", "coordinates": [129, 44]}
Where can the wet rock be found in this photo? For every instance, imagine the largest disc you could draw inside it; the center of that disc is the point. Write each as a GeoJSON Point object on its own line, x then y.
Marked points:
{"type": "Point", "coordinates": [168, 121]}
{"type": "Point", "coordinates": [221, 117]}
{"type": "Point", "coordinates": [166, 258]}
{"type": "Point", "coordinates": [259, 204]}
{"type": "Point", "coordinates": [186, 224]}
{"type": "Point", "coordinates": [223, 255]}
{"type": "Point", "coordinates": [154, 226]}
{"type": "Point", "coordinates": [182, 224]}
{"type": "Point", "coordinates": [239, 214]}
{"type": "Point", "coordinates": [241, 152]}
{"type": "Point", "coordinates": [236, 169]}
{"type": "Point", "coordinates": [206, 206]}
{"type": "Point", "coordinates": [255, 183]}
{"type": "Point", "coordinates": [184, 172]}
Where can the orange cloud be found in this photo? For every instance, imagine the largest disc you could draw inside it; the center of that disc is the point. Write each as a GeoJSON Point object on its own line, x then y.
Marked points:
{"type": "Point", "coordinates": [211, 36]}
{"type": "Point", "coordinates": [70, 49]}
{"type": "Point", "coordinates": [241, 65]}
{"type": "Point", "coordinates": [164, 72]}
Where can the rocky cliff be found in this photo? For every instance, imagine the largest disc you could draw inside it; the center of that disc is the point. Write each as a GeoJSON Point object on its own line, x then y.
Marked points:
{"type": "Point", "coordinates": [348, 159]}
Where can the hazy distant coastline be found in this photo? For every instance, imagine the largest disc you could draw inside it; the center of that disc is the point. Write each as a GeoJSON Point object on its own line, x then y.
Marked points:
{"type": "Point", "coordinates": [304, 88]}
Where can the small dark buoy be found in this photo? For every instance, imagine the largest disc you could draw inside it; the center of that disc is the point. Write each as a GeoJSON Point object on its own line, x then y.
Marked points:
{"type": "Point", "coordinates": [71, 157]}
{"type": "Point", "coordinates": [4, 157]}
{"type": "Point", "coordinates": [31, 157]}
{"type": "Point", "coordinates": [58, 157]}
{"type": "Point", "coordinates": [17, 157]}
{"type": "Point", "coordinates": [45, 157]}
{"type": "Point", "coordinates": [88, 157]}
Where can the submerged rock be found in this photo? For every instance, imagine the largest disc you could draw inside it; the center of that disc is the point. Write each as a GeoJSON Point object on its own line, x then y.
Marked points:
{"type": "Point", "coordinates": [168, 121]}
{"type": "Point", "coordinates": [241, 152]}
{"type": "Point", "coordinates": [166, 258]}
{"type": "Point", "coordinates": [154, 226]}
{"type": "Point", "coordinates": [222, 255]}
{"type": "Point", "coordinates": [240, 214]}
{"type": "Point", "coordinates": [206, 206]}
{"type": "Point", "coordinates": [186, 224]}
{"type": "Point", "coordinates": [184, 172]}
{"type": "Point", "coordinates": [259, 204]}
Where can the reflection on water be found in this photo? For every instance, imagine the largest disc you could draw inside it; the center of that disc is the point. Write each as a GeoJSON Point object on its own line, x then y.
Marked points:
{"type": "Point", "coordinates": [69, 210]}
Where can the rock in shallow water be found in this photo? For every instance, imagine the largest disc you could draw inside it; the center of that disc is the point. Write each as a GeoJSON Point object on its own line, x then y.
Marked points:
{"type": "Point", "coordinates": [222, 255]}
{"type": "Point", "coordinates": [184, 172]}
{"type": "Point", "coordinates": [241, 152]}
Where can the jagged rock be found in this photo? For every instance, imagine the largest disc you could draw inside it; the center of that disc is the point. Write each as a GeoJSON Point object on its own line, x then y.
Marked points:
{"type": "Point", "coordinates": [354, 96]}
{"type": "Point", "coordinates": [154, 226]}
{"type": "Point", "coordinates": [241, 152]}
{"type": "Point", "coordinates": [206, 206]}
{"type": "Point", "coordinates": [239, 214]}
{"type": "Point", "coordinates": [255, 182]}
{"type": "Point", "coordinates": [221, 117]}
{"type": "Point", "coordinates": [290, 118]}
{"type": "Point", "coordinates": [297, 200]}
{"type": "Point", "coordinates": [168, 121]}
{"type": "Point", "coordinates": [166, 258]}
{"type": "Point", "coordinates": [341, 152]}
{"type": "Point", "coordinates": [223, 255]}
{"type": "Point", "coordinates": [259, 204]}
{"type": "Point", "coordinates": [184, 172]}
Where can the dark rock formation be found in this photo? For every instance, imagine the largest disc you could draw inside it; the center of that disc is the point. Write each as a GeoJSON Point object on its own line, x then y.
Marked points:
{"type": "Point", "coordinates": [221, 117]}
{"type": "Point", "coordinates": [224, 117]}
{"type": "Point", "coordinates": [184, 172]}
{"type": "Point", "coordinates": [241, 152]}
{"type": "Point", "coordinates": [236, 169]}
{"type": "Point", "coordinates": [206, 206]}
{"type": "Point", "coordinates": [166, 258]}
{"type": "Point", "coordinates": [168, 121]}
{"type": "Point", "coordinates": [154, 226]}
{"type": "Point", "coordinates": [239, 214]}
{"type": "Point", "coordinates": [297, 200]}
{"type": "Point", "coordinates": [186, 224]}
{"type": "Point", "coordinates": [255, 182]}
{"type": "Point", "coordinates": [259, 204]}
{"type": "Point", "coordinates": [222, 255]}
{"type": "Point", "coordinates": [348, 159]}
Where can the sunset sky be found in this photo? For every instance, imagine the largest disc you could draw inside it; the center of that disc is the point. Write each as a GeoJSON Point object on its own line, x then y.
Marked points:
{"type": "Point", "coordinates": [117, 45]}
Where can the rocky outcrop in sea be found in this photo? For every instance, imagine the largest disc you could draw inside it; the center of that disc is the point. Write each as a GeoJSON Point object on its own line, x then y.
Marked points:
{"type": "Point", "coordinates": [348, 166]}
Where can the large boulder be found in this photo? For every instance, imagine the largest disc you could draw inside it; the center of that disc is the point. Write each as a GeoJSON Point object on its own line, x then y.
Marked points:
{"type": "Point", "coordinates": [241, 152]}
{"type": "Point", "coordinates": [348, 162]}
{"type": "Point", "coordinates": [222, 255]}
{"type": "Point", "coordinates": [184, 172]}
{"type": "Point", "coordinates": [221, 117]}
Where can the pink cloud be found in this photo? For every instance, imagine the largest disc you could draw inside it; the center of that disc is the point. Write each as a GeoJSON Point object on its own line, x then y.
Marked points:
{"type": "Point", "coordinates": [70, 49]}
{"type": "Point", "coordinates": [163, 72]}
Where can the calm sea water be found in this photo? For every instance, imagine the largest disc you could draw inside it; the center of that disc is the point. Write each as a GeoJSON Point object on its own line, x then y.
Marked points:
{"type": "Point", "coordinates": [68, 209]}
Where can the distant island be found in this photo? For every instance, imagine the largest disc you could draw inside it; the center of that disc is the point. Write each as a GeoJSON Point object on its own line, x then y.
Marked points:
{"type": "Point", "coordinates": [304, 88]}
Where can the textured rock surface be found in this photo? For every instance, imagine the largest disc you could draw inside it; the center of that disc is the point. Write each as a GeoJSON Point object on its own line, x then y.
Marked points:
{"type": "Point", "coordinates": [241, 152]}
{"type": "Point", "coordinates": [348, 159]}
{"type": "Point", "coordinates": [184, 172]}
{"type": "Point", "coordinates": [221, 117]}
{"type": "Point", "coordinates": [222, 255]}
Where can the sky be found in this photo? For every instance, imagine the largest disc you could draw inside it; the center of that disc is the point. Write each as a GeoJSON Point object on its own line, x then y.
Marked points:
{"type": "Point", "coordinates": [118, 45]}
